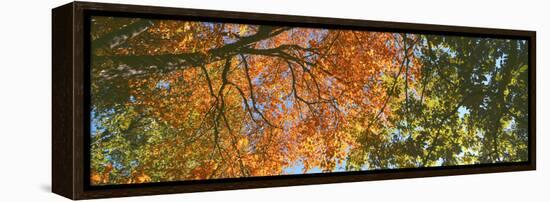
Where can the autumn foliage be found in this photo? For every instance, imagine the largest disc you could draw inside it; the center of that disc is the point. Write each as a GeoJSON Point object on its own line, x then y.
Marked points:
{"type": "Point", "coordinates": [187, 100]}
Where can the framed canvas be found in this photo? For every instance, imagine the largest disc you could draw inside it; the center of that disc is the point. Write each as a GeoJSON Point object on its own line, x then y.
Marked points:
{"type": "Point", "coordinates": [155, 100]}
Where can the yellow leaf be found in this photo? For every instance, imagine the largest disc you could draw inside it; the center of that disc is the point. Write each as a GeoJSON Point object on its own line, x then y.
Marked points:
{"type": "Point", "coordinates": [143, 178]}
{"type": "Point", "coordinates": [243, 29]}
{"type": "Point", "coordinates": [96, 178]}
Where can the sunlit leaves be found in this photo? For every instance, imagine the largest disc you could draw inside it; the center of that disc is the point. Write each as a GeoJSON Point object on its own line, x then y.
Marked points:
{"type": "Point", "coordinates": [185, 100]}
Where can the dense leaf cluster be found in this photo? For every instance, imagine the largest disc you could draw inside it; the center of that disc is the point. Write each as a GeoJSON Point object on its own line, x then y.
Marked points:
{"type": "Point", "coordinates": [182, 100]}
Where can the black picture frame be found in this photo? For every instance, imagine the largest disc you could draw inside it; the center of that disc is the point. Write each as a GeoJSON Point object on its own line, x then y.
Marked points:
{"type": "Point", "coordinates": [71, 101]}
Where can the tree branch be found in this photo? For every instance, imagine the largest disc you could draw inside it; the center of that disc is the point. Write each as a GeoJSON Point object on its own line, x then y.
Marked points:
{"type": "Point", "coordinates": [122, 35]}
{"type": "Point", "coordinates": [127, 66]}
{"type": "Point", "coordinates": [252, 97]}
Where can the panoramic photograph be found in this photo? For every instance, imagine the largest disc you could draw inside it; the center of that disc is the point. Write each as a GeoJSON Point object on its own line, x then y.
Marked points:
{"type": "Point", "coordinates": [176, 100]}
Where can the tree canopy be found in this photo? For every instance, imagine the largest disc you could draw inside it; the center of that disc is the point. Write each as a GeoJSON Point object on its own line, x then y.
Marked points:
{"type": "Point", "coordinates": [189, 100]}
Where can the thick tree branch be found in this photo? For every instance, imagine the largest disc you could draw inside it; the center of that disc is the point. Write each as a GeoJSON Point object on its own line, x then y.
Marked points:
{"type": "Point", "coordinates": [120, 36]}
{"type": "Point", "coordinates": [127, 66]}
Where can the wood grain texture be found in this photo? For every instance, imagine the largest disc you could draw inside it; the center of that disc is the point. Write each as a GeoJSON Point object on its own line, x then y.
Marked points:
{"type": "Point", "coordinates": [62, 100]}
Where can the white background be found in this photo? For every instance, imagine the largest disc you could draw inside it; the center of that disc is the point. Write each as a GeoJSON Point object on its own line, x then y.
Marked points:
{"type": "Point", "coordinates": [25, 101]}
